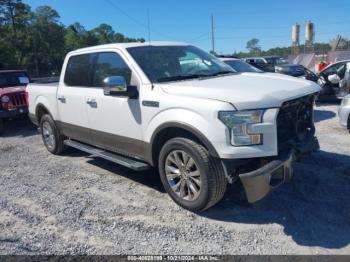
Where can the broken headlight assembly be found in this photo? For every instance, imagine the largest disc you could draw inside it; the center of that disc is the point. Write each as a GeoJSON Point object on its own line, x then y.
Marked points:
{"type": "Point", "coordinates": [239, 122]}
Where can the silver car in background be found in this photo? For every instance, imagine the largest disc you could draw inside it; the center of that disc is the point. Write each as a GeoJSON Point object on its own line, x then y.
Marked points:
{"type": "Point", "coordinates": [239, 65]}
{"type": "Point", "coordinates": [344, 112]}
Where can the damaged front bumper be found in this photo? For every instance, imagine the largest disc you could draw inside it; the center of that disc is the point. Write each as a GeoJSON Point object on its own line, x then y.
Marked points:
{"type": "Point", "coordinates": [260, 182]}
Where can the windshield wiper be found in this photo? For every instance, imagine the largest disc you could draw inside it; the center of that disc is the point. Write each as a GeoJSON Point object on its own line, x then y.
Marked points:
{"type": "Point", "coordinates": [179, 77]}
{"type": "Point", "coordinates": [193, 76]}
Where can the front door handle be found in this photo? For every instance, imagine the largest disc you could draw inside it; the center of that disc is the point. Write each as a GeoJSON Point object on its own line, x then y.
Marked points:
{"type": "Point", "coordinates": [62, 99]}
{"type": "Point", "coordinates": [92, 103]}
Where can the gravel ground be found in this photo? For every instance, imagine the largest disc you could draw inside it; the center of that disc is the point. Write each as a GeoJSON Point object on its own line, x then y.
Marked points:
{"type": "Point", "coordinates": [76, 204]}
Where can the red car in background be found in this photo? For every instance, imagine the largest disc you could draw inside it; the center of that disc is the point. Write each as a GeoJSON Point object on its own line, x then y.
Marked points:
{"type": "Point", "coordinates": [13, 102]}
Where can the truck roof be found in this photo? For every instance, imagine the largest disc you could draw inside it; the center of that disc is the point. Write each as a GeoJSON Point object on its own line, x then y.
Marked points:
{"type": "Point", "coordinates": [127, 45]}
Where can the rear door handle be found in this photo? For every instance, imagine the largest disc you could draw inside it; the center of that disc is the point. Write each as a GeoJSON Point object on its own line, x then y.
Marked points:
{"type": "Point", "coordinates": [92, 102]}
{"type": "Point", "coordinates": [62, 99]}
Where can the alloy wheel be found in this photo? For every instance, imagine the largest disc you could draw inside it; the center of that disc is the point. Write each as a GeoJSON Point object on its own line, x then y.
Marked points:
{"type": "Point", "coordinates": [48, 135]}
{"type": "Point", "coordinates": [183, 175]}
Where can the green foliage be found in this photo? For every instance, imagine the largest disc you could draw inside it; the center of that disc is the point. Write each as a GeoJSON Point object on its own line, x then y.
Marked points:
{"type": "Point", "coordinates": [37, 41]}
{"type": "Point", "coordinates": [319, 48]}
{"type": "Point", "coordinates": [253, 46]}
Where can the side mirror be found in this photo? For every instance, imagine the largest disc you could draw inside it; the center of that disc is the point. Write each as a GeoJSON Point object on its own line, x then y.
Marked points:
{"type": "Point", "coordinates": [334, 79]}
{"type": "Point", "coordinates": [117, 86]}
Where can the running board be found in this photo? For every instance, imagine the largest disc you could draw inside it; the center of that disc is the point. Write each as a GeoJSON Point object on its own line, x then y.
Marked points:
{"type": "Point", "coordinates": [118, 159]}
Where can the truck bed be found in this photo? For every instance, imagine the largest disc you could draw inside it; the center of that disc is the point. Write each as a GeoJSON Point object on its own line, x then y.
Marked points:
{"type": "Point", "coordinates": [43, 93]}
{"type": "Point", "coordinates": [51, 84]}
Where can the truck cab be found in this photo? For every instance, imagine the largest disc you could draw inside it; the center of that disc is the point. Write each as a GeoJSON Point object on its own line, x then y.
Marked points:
{"type": "Point", "coordinates": [12, 95]}
{"type": "Point", "coordinates": [177, 108]}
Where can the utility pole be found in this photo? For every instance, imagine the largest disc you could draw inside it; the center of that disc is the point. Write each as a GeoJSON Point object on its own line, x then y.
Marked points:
{"type": "Point", "coordinates": [212, 34]}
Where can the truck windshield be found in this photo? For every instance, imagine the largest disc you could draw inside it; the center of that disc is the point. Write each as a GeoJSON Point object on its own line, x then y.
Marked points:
{"type": "Point", "coordinates": [8, 79]}
{"type": "Point", "coordinates": [175, 63]}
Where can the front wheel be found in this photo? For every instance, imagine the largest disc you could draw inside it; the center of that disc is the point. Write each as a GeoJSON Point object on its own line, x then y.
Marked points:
{"type": "Point", "coordinates": [193, 179]}
{"type": "Point", "coordinates": [52, 139]}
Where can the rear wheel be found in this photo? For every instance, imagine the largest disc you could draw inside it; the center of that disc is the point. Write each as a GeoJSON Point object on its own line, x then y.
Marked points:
{"type": "Point", "coordinates": [51, 137]}
{"type": "Point", "coordinates": [193, 179]}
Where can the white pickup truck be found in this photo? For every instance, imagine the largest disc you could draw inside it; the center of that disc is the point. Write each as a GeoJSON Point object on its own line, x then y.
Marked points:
{"type": "Point", "coordinates": [177, 108]}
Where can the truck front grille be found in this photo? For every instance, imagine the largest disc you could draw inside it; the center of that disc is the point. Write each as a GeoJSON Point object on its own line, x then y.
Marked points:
{"type": "Point", "coordinates": [18, 100]}
{"type": "Point", "coordinates": [295, 121]}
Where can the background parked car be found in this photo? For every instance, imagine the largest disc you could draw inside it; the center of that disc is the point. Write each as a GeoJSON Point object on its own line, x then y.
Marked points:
{"type": "Point", "coordinates": [335, 81]}
{"type": "Point", "coordinates": [239, 65]}
{"type": "Point", "coordinates": [12, 95]}
{"type": "Point", "coordinates": [344, 112]}
{"type": "Point", "coordinates": [276, 64]}
{"type": "Point", "coordinates": [309, 75]}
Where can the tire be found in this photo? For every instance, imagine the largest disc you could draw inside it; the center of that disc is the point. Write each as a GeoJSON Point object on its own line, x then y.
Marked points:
{"type": "Point", "coordinates": [198, 172]}
{"type": "Point", "coordinates": [51, 137]}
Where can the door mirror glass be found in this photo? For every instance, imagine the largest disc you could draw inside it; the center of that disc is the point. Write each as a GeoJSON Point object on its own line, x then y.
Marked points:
{"type": "Point", "coordinates": [334, 79]}
{"type": "Point", "coordinates": [115, 85]}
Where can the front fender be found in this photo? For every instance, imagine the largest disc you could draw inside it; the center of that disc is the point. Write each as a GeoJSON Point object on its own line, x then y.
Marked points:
{"type": "Point", "coordinates": [181, 117]}
{"type": "Point", "coordinates": [206, 130]}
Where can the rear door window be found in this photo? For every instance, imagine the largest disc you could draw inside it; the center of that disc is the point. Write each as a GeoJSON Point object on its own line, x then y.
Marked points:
{"type": "Point", "coordinates": [78, 71]}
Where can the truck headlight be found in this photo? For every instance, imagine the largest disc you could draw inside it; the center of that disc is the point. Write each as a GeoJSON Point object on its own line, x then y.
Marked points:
{"type": "Point", "coordinates": [5, 99]}
{"type": "Point", "coordinates": [238, 123]}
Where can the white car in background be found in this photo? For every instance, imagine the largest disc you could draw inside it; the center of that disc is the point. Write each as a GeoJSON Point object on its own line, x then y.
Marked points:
{"type": "Point", "coordinates": [344, 112]}
{"type": "Point", "coordinates": [239, 65]}
{"type": "Point", "coordinates": [335, 81]}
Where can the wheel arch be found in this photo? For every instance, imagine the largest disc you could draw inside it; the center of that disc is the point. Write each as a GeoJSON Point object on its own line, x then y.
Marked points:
{"type": "Point", "coordinates": [41, 110]}
{"type": "Point", "coordinates": [171, 130]}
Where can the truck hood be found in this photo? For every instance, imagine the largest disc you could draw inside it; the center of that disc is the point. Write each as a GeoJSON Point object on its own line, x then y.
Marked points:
{"type": "Point", "coordinates": [11, 90]}
{"type": "Point", "coordinates": [245, 90]}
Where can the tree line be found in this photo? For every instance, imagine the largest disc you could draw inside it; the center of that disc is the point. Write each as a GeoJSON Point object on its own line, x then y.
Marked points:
{"type": "Point", "coordinates": [254, 49]}
{"type": "Point", "coordinates": [36, 40]}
